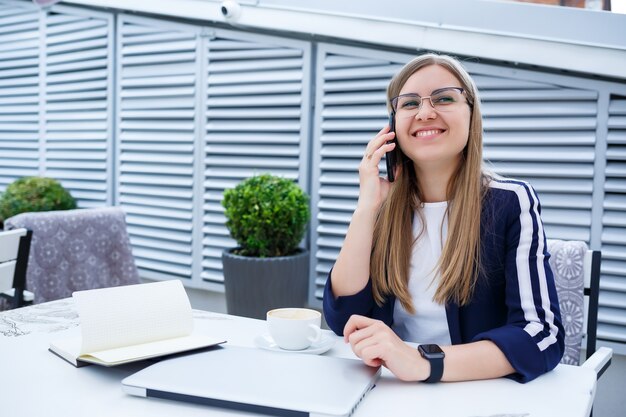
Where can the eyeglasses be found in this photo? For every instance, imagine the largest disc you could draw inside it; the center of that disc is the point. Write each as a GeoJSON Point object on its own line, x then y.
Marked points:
{"type": "Point", "coordinates": [442, 100]}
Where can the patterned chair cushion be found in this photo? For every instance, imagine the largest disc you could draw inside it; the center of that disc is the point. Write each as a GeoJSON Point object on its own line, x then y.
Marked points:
{"type": "Point", "coordinates": [76, 250]}
{"type": "Point", "coordinates": [567, 263]}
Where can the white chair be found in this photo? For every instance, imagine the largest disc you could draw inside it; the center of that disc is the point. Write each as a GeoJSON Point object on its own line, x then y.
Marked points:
{"type": "Point", "coordinates": [14, 250]}
{"type": "Point", "coordinates": [577, 277]}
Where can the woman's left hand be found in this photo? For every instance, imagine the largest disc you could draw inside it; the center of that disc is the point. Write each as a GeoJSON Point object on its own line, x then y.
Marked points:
{"type": "Point", "coordinates": [376, 344]}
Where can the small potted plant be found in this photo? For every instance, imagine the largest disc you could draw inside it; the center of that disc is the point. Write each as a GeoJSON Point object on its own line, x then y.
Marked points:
{"type": "Point", "coordinates": [30, 194]}
{"type": "Point", "coordinates": [267, 216]}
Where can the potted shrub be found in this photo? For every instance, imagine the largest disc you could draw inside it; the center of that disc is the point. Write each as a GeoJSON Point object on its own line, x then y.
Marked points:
{"type": "Point", "coordinates": [267, 216]}
{"type": "Point", "coordinates": [29, 194]}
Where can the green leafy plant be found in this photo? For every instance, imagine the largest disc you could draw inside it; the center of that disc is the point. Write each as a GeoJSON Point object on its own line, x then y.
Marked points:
{"type": "Point", "coordinates": [34, 194]}
{"type": "Point", "coordinates": [266, 215]}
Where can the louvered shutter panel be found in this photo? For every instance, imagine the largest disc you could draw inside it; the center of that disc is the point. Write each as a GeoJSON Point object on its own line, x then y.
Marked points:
{"type": "Point", "coordinates": [256, 122]}
{"type": "Point", "coordinates": [156, 131]}
{"type": "Point", "coordinates": [19, 92]}
{"type": "Point", "coordinates": [612, 310]}
{"type": "Point", "coordinates": [544, 134]}
{"type": "Point", "coordinates": [78, 98]}
{"type": "Point", "coordinates": [350, 110]}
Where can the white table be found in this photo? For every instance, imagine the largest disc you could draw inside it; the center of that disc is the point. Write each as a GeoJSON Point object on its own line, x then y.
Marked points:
{"type": "Point", "coordinates": [37, 383]}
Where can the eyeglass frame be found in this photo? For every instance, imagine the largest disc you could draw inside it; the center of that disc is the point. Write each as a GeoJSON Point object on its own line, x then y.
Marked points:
{"type": "Point", "coordinates": [394, 100]}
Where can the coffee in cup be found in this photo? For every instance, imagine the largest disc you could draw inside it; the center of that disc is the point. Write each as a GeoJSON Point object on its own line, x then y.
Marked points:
{"type": "Point", "coordinates": [294, 328]}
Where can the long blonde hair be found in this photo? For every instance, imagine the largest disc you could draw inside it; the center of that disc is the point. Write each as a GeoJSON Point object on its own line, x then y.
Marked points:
{"type": "Point", "coordinates": [393, 232]}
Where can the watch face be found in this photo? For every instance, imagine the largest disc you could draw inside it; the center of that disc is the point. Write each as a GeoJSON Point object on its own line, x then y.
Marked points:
{"type": "Point", "coordinates": [431, 350]}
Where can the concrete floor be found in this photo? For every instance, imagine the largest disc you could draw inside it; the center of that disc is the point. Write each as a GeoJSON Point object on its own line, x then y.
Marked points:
{"type": "Point", "coordinates": [611, 391]}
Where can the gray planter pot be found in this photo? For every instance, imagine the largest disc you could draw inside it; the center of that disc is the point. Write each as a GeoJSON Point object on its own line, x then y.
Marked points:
{"type": "Point", "coordinates": [255, 285]}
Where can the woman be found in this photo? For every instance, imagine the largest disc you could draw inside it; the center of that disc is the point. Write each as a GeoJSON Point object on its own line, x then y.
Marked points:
{"type": "Point", "coordinates": [448, 254]}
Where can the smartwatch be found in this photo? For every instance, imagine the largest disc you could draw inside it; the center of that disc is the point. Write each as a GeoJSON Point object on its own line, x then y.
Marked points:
{"type": "Point", "coordinates": [434, 355]}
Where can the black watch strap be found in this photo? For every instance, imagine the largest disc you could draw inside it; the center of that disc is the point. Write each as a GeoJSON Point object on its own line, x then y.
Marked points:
{"type": "Point", "coordinates": [434, 355]}
{"type": "Point", "coordinates": [436, 370]}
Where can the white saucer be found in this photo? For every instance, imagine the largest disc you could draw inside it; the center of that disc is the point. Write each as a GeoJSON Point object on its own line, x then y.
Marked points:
{"type": "Point", "coordinates": [265, 341]}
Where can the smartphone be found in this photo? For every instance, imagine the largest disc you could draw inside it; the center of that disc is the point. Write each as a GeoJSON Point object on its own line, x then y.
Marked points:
{"type": "Point", "coordinates": [390, 157]}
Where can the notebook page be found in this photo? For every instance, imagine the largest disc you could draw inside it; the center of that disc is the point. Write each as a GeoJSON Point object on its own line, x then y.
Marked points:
{"type": "Point", "coordinates": [133, 314]}
{"type": "Point", "coordinates": [151, 350]}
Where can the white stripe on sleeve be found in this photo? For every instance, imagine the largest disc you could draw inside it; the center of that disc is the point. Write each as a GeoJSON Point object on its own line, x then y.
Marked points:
{"type": "Point", "coordinates": [531, 316]}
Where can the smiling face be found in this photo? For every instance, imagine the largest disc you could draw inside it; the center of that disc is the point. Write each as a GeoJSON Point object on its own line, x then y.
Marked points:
{"type": "Point", "coordinates": [432, 138]}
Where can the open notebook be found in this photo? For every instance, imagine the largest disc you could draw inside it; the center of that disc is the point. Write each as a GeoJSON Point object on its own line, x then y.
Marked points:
{"type": "Point", "coordinates": [131, 323]}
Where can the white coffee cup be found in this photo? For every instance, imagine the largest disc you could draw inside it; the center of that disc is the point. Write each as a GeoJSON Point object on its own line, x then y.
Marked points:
{"type": "Point", "coordinates": [294, 328]}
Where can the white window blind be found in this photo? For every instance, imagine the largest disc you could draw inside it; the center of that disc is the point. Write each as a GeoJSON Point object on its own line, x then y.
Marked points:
{"type": "Point", "coordinates": [78, 103]}
{"type": "Point", "coordinates": [612, 310]}
{"type": "Point", "coordinates": [19, 91]}
{"type": "Point", "coordinates": [156, 93]}
{"type": "Point", "coordinates": [55, 102]}
{"type": "Point", "coordinates": [256, 122]}
{"type": "Point", "coordinates": [200, 110]}
{"type": "Point", "coordinates": [545, 134]}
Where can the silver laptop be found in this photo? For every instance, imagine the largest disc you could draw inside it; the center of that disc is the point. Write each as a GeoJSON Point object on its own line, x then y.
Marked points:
{"type": "Point", "coordinates": [259, 381]}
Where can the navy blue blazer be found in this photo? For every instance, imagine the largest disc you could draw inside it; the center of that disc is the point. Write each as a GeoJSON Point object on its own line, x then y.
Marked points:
{"type": "Point", "coordinates": [514, 303]}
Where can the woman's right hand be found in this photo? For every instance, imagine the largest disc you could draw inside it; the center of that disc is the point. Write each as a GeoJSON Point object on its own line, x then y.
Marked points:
{"type": "Point", "coordinates": [374, 189]}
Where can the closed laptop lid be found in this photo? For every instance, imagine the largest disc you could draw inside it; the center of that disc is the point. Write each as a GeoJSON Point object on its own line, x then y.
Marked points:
{"type": "Point", "coordinates": [256, 380]}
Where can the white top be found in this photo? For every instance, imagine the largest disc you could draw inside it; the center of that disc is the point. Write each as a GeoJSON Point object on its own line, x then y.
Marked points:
{"type": "Point", "coordinates": [429, 323]}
